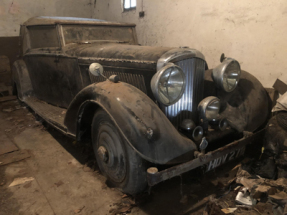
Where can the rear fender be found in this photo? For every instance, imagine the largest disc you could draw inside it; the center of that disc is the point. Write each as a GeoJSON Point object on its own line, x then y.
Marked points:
{"type": "Point", "coordinates": [143, 125]}
{"type": "Point", "coordinates": [21, 78]}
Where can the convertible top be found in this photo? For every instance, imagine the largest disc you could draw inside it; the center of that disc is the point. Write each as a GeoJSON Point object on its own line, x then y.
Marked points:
{"type": "Point", "coordinates": [52, 20]}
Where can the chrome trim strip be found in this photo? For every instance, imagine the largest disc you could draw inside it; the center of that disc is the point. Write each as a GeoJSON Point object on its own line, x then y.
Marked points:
{"type": "Point", "coordinates": [176, 53]}
{"type": "Point", "coordinates": [88, 60]}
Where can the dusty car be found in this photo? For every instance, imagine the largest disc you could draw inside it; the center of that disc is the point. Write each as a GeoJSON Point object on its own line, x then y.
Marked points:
{"type": "Point", "coordinates": [151, 113]}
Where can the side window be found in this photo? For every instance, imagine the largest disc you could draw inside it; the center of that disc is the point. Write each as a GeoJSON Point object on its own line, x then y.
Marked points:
{"type": "Point", "coordinates": [130, 4]}
{"type": "Point", "coordinates": [43, 37]}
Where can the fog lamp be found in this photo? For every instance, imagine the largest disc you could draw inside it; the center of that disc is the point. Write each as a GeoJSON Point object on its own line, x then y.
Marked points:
{"type": "Point", "coordinates": [209, 108]}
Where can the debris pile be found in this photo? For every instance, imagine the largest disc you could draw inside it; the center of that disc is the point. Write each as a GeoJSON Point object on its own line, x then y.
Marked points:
{"type": "Point", "coordinates": [249, 193]}
{"type": "Point", "coordinates": [275, 145]}
{"type": "Point", "coordinates": [123, 207]}
{"type": "Point", "coordinates": [260, 186]}
{"type": "Point", "coordinates": [257, 189]}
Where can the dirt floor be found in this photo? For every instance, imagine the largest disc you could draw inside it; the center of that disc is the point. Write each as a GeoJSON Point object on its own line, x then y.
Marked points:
{"type": "Point", "coordinates": [64, 178]}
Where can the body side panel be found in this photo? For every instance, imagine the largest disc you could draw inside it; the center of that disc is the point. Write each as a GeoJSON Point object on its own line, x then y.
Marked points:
{"type": "Point", "coordinates": [55, 79]}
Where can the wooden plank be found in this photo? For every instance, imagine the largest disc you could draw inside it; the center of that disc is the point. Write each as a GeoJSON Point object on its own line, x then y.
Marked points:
{"type": "Point", "coordinates": [280, 86]}
{"type": "Point", "coordinates": [6, 145]}
{"type": "Point", "coordinates": [13, 157]}
{"type": "Point", "coordinates": [4, 64]}
{"type": "Point", "coordinates": [4, 93]}
{"type": "Point", "coordinates": [7, 98]}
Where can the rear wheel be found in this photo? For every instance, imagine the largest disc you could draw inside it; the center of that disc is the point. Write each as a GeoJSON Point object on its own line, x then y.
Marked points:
{"type": "Point", "coordinates": [116, 159]}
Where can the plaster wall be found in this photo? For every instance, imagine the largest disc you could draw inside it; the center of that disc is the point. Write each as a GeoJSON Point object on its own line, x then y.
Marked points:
{"type": "Point", "coordinates": [15, 12]}
{"type": "Point", "coordinates": [253, 32]}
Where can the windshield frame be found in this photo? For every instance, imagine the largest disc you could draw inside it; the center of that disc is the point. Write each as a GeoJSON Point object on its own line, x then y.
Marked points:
{"type": "Point", "coordinates": [134, 36]}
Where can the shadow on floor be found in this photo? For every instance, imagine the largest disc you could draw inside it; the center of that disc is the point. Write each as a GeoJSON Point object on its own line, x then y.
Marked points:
{"type": "Point", "coordinates": [186, 194]}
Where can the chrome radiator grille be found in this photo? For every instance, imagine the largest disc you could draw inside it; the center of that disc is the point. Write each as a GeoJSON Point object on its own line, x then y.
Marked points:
{"type": "Point", "coordinates": [133, 79]}
{"type": "Point", "coordinates": [186, 107]}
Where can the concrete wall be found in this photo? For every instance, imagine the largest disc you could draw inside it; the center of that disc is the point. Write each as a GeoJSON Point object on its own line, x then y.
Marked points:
{"type": "Point", "coordinates": [15, 12]}
{"type": "Point", "coordinates": [253, 32]}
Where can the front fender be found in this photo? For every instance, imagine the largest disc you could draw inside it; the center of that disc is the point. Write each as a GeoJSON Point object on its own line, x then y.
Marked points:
{"type": "Point", "coordinates": [139, 119]}
{"type": "Point", "coordinates": [247, 107]}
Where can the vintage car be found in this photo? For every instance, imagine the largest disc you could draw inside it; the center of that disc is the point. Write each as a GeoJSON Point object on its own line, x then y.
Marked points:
{"type": "Point", "coordinates": [151, 113]}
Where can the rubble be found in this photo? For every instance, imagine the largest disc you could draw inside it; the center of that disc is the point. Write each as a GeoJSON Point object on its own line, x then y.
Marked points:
{"type": "Point", "coordinates": [228, 210]}
{"type": "Point", "coordinates": [260, 185]}
{"type": "Point", "coordinates": [7, 110]}
{"type": "Point", "coordinates": [79, 210]}
{"type": "Point", "coordinates": [59, 183]}
{"type": "Point", "coordinates": [251, 192]}
{"type": "Point", "coordinates": [125, 206]}
{"type": "Point", "coordinates": [18, 181]}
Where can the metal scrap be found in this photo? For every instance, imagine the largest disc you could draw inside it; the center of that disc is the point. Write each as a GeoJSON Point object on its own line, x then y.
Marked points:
{"type": "Point", "coordinates": [281, 104]}
{"type": "Point", "coordinates": [243, 197]}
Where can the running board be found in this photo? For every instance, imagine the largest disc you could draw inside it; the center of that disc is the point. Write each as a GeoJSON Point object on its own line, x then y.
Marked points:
{"type": "Point", "coordinates": [53, 115]}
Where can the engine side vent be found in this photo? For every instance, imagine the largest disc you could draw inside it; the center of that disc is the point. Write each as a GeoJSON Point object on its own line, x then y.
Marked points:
{"type": "Point", "coordinates": [133, 79]}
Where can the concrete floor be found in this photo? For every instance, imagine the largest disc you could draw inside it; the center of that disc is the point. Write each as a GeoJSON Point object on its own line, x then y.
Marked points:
{"type": "Point", "coordinates": [67, 181]}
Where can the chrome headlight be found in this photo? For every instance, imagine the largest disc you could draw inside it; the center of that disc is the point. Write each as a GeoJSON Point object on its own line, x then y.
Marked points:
{"type": "Point", "coordinates": [226, 75]}
{"type": "Point", "coordinates": [209, 108]}
{"type": "Point", "coordinates": [168, 84]}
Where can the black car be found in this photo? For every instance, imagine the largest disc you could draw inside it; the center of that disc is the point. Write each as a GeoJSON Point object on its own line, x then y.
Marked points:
{"type": "Point", "coordinates": [151, 113]}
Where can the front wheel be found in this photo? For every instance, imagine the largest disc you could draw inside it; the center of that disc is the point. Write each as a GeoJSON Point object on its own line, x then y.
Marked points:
{"type": "Point", "coordinates": [116, 159]}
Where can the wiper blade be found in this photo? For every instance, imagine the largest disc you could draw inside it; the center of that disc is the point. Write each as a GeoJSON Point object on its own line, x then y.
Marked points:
{"type": "Point", "coordinates": [99, 41]}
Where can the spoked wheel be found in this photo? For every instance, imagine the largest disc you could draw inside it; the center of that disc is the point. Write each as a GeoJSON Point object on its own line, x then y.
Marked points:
{"type": "Point", "coordinates": [116, 159]}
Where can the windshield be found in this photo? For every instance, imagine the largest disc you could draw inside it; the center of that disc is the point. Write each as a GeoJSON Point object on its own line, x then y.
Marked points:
{"type": "Point", "coordinates": [88, 33]}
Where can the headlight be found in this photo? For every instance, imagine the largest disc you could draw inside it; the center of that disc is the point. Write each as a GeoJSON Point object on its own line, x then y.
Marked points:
{"type": "Point", "coordinates": [226, 75]}
{"type": "Point", "coordinates": [168, 84]}
{"type": "Point", "coordinates": [209, 108]}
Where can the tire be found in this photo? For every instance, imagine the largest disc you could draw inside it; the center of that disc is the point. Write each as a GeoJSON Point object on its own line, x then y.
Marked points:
{"type": "Point", "coordinates": [121, 165]}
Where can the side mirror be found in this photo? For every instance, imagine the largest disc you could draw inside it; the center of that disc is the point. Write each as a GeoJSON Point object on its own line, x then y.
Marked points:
{"type": "Point", "coordinates": [222, 57]}
{"type": "Point", "coordinates": [96, 69]}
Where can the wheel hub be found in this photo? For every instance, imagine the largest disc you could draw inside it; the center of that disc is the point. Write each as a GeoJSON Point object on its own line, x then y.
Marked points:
{"type": "Point", "coordinates": [103, 154]}
{"type": "Point", "coordinates": [110, 154]}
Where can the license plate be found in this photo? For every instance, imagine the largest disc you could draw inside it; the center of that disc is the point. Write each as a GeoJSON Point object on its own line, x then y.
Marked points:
{"type": "Point", "coordinates": [225, 158]}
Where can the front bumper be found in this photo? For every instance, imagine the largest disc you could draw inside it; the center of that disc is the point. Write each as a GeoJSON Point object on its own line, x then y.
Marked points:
{"type": "Point", "coordinates": [154, 177]}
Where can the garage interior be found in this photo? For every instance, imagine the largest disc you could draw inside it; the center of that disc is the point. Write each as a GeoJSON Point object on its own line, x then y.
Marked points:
{"type": "Point", "coordinates": [43, 171]}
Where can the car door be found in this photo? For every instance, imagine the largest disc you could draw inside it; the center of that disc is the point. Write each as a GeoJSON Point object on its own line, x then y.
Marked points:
{"type": "Point", "coordinates": [49, 69]}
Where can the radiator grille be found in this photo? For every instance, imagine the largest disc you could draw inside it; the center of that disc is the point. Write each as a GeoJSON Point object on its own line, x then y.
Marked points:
{"type": "Point", "coordinates": [133, 79]}
{"type": "Point", "coordinates": [186, 107]}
